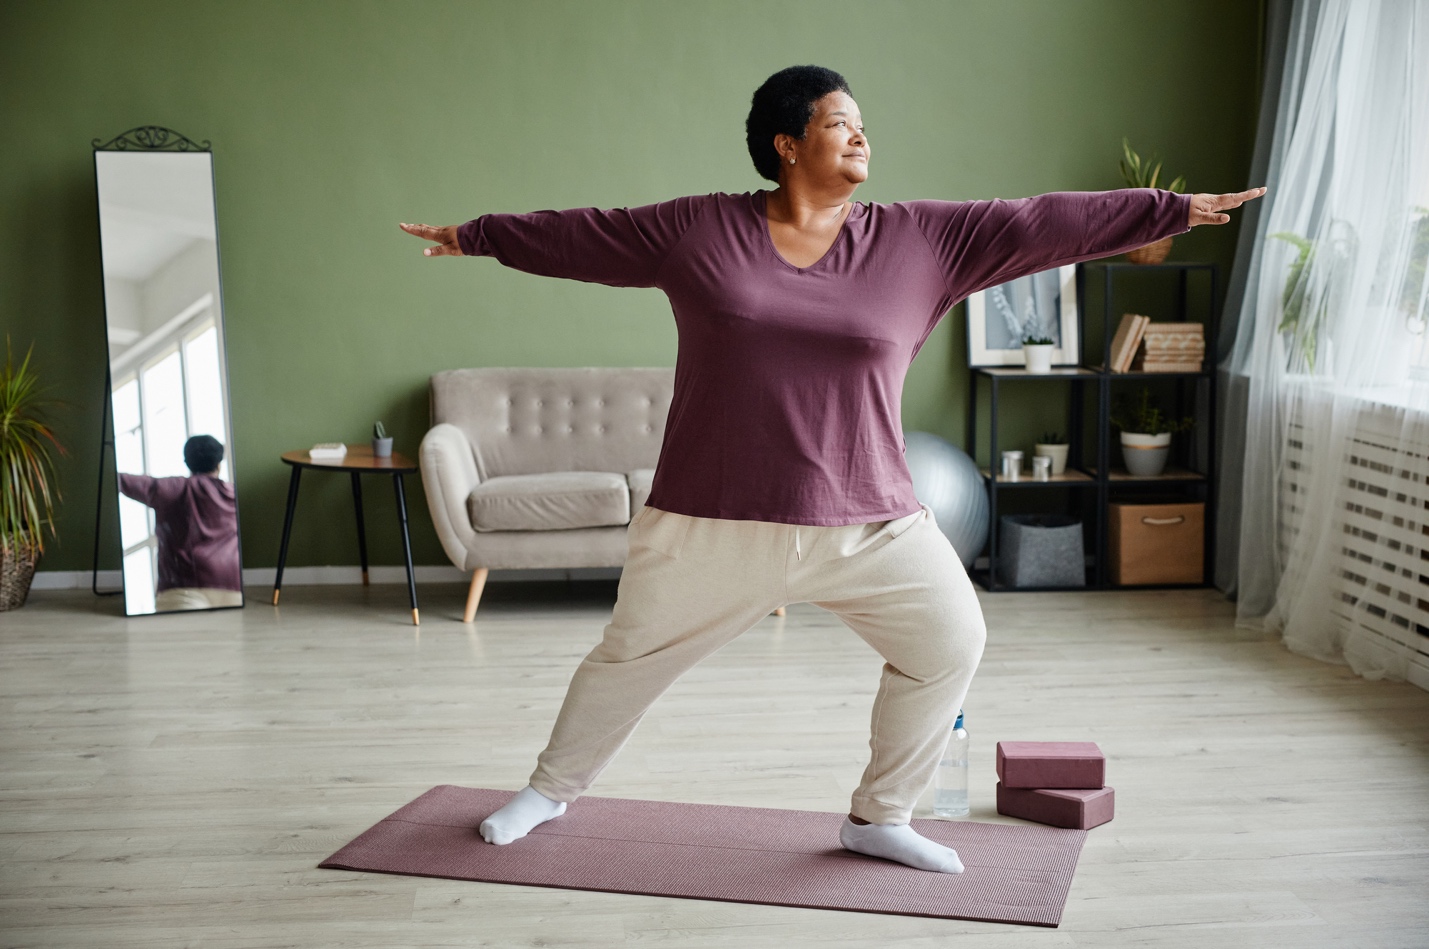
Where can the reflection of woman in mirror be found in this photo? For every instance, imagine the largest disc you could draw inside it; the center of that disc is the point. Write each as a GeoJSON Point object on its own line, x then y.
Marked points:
{"type": "Point", "coordinates": [197, 527]}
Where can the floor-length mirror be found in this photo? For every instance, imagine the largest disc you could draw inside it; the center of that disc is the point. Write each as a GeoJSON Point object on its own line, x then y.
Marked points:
{"type": "Point", "coordinates": [172, 435]}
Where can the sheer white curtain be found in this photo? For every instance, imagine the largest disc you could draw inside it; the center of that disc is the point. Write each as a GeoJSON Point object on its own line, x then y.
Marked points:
{"type": "Point", "coordinates": [1330, 351]}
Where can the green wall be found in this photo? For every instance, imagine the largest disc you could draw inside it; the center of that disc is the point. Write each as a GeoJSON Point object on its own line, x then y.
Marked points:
{"type": "Point", "coordinates": [332, 121]}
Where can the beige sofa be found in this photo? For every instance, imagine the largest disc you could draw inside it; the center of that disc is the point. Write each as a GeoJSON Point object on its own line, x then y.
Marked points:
{"type": "Point", "coordinates": [528, 468]}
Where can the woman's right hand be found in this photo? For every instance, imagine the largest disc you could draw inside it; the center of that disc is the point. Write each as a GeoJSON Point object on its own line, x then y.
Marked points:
{"type": "Point", "coordinates": [443, 237]}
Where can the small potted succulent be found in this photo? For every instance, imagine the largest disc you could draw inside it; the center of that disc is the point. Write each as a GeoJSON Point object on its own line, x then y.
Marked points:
{"type": "Point", "coordinates": [1037, 352]}
{"type": "Point", "coordinates": [1145, 432]}
{"type": "Point", "coordinates": [1052, 446]}
{"type": "Point", "coordinates": [381, 442]}
{"type": "Point", "coordinates": [1143, 174]}
{"type": "Point", "coordinates": [27, 470]}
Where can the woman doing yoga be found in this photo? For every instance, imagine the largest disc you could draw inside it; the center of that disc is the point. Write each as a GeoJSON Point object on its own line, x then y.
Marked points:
{"type": "Point", "coordinates": [781, 476]}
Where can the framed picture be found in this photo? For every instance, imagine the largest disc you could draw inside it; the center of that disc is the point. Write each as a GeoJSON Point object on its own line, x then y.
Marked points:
{"type": "Point", "coordinates": [1044, 304]}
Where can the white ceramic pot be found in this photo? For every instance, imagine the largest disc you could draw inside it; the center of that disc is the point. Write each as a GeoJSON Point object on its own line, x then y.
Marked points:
{"type": "Point", "coordinates": [1058, 454]}
{"type": "Point", "coordinates": [1145, 454]}
{"type": "Point", "coordinates": [1039, 357]}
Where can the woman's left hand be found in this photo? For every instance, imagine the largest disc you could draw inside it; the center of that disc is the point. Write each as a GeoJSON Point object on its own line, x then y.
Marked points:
{"type": "Point", "coordinates": [1207, 208]}
{"type": "Point", "coordinates": [445, 238]}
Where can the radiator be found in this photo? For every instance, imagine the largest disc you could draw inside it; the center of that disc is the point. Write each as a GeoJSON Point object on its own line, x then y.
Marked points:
{"type": "Point", "coordinates": [1380, 568]}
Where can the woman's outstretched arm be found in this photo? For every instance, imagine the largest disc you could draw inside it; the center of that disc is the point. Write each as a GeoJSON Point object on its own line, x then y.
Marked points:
{"type": "Point", "coordinates": [621, 247]}
{"type": "Point", "coordinates": [984, 243]}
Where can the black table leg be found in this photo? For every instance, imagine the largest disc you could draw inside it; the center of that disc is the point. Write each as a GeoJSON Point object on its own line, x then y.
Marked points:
{"type": "Point", "coordinates": [361, 531]}
{"type": "Point", "coordinates": [287, 529]}
{"type": "Point", "coordinates": [406, 546]}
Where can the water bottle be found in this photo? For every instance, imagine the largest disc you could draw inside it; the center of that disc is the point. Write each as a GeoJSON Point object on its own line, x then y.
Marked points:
{"type": "Point", "coordinates": [950, 785]}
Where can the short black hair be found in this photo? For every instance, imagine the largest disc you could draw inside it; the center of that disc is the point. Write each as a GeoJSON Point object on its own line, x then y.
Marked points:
{"type": "Point", "coordinates": [784, 105]}
{"type": "Point", "coordinates": [203, 454]}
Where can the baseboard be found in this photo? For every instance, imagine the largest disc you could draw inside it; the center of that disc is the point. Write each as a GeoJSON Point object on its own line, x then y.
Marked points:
{"type": "Point", "coordinates": [323, 576]}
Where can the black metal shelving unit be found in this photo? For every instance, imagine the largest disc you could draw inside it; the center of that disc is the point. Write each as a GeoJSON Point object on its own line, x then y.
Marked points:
{"type": "Point", "coordinates": [1189, 472]}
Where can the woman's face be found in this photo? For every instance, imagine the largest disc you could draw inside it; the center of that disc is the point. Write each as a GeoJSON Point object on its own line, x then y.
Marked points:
{"type": "Point", "coordinates": [834, 145]}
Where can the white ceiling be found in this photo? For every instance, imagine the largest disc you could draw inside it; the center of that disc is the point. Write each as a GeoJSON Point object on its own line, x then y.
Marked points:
{"type": "Point", "coordinates": [151, 207]}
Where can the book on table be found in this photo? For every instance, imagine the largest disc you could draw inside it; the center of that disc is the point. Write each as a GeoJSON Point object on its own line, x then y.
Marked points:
{"type": "Point", "coordinates": [328, 451]}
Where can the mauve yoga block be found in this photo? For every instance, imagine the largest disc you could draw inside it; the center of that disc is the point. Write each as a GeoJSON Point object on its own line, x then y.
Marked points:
{"type": "Point", "coordinates": [1077, 808]}
{"type": "Point", "coordinates": [1051, 764]}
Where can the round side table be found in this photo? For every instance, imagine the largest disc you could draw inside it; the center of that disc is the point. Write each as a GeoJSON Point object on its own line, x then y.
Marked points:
{"type": "Point", "coordinates": [358, 461]}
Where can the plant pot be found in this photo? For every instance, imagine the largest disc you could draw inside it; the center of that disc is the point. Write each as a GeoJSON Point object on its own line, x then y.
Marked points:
{"type": "Point", "coordinates": [382, 447]}
{"type": "Point", "coordinates": [1151, 253]}
{"type": "Point", "coordinates": [1038, 357]}
{"type": "Point", "coordinates": [17, 570]}
{"type": "Point", "coordinates": [1058, 454]}
{"type": "Point", "coordinates": [1145, 455]}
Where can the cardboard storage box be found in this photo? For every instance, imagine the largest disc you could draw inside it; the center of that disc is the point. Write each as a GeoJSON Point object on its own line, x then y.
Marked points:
{"type": "Point", "coordinates": [1156, 543]}
{"type": "Point", "coordinates": [1050, 764]}
{"type": "Point", "coordinates": [1077, 809]}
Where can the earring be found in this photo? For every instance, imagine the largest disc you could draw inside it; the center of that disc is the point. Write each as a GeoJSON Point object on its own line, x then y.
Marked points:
{"type": "Point", "coordinates": [791, 161]}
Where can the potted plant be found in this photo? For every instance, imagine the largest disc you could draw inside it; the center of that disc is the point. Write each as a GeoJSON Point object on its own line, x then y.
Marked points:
{"type": "Point", "coordinates": [1414, 292]}
{"type": "Point", "coordinates": [1055, 447]}
{"type": "Point", "coordinates": [381, 442]}
{"type": "Point", "coordinates": [1037, 352]}
{"type": "Point", "coordinates": [1315, 283]}
{"type": "Point", "coordinates": [1143, 174]}
{"type": "Point", "coordinates": [1145, 432]}
{"type": "Point", "coordinates": [26, 471]}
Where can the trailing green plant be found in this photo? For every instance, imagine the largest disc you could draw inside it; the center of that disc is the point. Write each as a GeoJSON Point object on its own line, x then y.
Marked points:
{"type": "Point", "coordinates": [27, 469]}
{"type": "Point", "coordinates": [1032, 339]}
{"type": "Point", "coordinates": [1142, 174]}
{"type": "Point", "coordinates": [1141, 414]}
{"type": "Point", "coordinates": [378, 431]}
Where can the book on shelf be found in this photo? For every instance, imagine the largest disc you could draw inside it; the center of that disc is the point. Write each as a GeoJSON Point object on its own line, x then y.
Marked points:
{"type": "Point", "coordinates": [1188, 364]}
{"type": "Point", "coordinates": [328, 451]}
{"type": "Point", "coordinates": [1178, 329]}
{"type": "Point", "coordinates": [1173, 344]}
{"type": "Point", "coordinates": [1125, 341]}
{"type": "Point", "coordinates": [1171, 347]}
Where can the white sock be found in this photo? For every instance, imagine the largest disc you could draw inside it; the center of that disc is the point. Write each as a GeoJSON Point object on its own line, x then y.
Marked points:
{"type": "Point", "coordinates": [529, 808]}
{"type": "Point", "coordinates": [900, 843]}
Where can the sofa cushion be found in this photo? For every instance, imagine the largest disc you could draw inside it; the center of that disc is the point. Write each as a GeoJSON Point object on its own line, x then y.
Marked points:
{"type": "Point", "coordinates": [528, 419]}
{"type": "Point", "coordinates": [640, 480]}
{"type": "Point", "coordinates": [555, 501]}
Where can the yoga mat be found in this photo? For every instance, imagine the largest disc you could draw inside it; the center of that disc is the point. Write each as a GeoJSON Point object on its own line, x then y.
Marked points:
{"type": "Point", "coordinates": [1015, 873]}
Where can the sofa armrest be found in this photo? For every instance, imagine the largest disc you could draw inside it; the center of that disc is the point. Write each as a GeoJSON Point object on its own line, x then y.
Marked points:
{"type": "Point", "coordinates": [449, 475]}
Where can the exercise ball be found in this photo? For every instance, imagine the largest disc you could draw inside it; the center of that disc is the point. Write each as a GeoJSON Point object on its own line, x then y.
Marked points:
{"type": "Point", "coordinates": [948, 482]}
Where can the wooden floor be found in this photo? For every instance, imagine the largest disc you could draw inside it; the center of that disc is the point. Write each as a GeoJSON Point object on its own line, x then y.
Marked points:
{"type": "Point", "coordinates": [174, 780]}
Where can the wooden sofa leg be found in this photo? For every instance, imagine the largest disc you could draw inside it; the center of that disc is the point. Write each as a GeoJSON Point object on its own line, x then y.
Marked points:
{"type": "Point", "coordinates": [473, 594]}
{"type": "Point", "coordinates": [779, 611]}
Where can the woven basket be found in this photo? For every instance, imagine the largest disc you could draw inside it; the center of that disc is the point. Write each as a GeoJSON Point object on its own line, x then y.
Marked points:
{"type": "Point", "coordinates": [17, 569]}
{"type": "Point", "coordinates": [1151, 253]}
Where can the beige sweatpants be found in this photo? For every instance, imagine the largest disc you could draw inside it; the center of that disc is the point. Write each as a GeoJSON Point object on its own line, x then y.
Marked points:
{"type": "Point", "coordinates": [692, 584]}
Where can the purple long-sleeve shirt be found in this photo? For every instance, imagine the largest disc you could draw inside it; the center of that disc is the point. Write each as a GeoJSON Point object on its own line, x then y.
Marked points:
{"type": "Point", "coordinates": [196, 521]}
{"type": "Point", "coordinates": [788, 380]}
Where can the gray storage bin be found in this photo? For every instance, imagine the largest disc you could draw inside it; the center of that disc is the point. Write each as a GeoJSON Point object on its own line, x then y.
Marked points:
{"type": "Point", "coordinates": [1041, 550]}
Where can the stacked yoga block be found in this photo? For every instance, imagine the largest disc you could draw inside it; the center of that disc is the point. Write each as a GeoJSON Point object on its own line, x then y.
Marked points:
{"type": "Point", "coordinates": [1062, 783]}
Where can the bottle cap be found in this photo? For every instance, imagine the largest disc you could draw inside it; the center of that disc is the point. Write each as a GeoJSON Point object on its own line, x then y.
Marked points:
{"type": "Point", "coordinates": [959, 722]}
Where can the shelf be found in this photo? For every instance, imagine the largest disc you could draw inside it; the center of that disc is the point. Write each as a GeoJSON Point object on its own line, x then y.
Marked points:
{"type": "Point", "coordinates": [1171, 473]}
{"type": "Point", "coordinates": [981, 577]}
{"type": "Point", "coordinates": [1089, 425]}
{"type": "Point", "coordinates": [1018, 372]}
{"type": "Point", "coordinates": [1078, 372]}
{"type": "Point", "coordinates": [1128, 265]}
{"type": "Point", "coordinates": [1079, 478]}
{"type": "Point", "coordinates": [1137, 374]}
